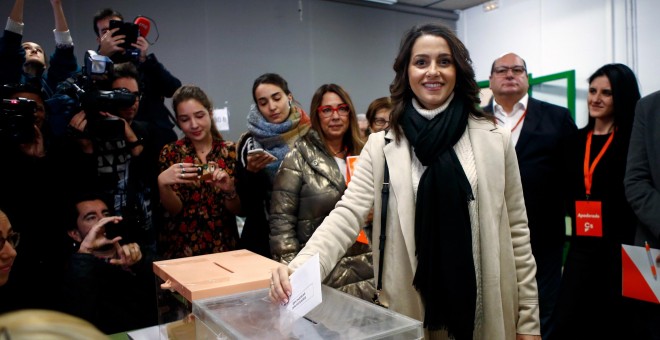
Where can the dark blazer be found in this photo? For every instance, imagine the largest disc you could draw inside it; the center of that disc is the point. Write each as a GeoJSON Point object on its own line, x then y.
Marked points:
{"type": "Point", "coordinates": [544, 130]}
{"type": "Point", "coordinates": [642, 180]}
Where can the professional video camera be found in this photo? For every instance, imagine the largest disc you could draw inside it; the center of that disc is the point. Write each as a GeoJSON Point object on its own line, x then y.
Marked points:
{"type": "Point", "coordinates": [17, 121]}
{"type": "Point", "coordinates": [96, 74]}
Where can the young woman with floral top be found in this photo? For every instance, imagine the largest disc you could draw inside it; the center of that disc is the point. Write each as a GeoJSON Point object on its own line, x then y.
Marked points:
{"type": "Point", "coordinates": [200, 209]}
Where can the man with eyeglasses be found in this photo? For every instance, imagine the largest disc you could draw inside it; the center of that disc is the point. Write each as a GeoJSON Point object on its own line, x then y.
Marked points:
{"type": "Point", "coordinates": [537, 131]}
{"type": "Point", "coordinates": [125, 170]}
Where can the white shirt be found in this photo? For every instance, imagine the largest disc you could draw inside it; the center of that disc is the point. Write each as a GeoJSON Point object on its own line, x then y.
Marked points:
{"type": "Point", "coordinates": [341, 163]}
{"type": "Point", "coordinates": [509, 120]}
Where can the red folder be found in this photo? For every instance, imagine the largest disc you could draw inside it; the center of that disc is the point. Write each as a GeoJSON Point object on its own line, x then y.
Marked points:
{"type": "Point", "coordinates": [638, 279]}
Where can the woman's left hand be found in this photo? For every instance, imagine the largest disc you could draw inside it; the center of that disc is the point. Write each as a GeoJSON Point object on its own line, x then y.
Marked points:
{"type": "Point", "coordinates": [222, 180]}
{"type": "Point", "coordinates": [256, 162]}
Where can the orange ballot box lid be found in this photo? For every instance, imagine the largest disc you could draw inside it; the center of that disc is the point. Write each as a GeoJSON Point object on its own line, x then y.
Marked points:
{"type": "Point", "coordinates": [217, 274]}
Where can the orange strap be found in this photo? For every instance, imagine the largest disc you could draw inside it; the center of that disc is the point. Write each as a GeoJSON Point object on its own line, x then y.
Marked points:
{"type": "Point", "coordinates": [519, 121]}
{"type": "Point", "coordinates": [350, 166]}
{"type": "Point", "coordinates": [589, 170]}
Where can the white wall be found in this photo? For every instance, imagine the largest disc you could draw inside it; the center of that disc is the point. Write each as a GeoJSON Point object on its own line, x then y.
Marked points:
{"type": "Point", "coordinates": [559, 35]}
{"type": "Point", "coordinates": [224, 45]}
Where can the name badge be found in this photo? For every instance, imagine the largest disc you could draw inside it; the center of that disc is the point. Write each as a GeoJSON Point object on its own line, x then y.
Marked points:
{"type": "Point", "coordinates": [588, 218]}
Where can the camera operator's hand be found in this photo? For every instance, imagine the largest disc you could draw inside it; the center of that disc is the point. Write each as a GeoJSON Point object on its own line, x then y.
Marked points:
{"type": "Point", "coordinates": [129, 134]}
{"type": "Point", "coordinates": [143, 45]}
{"type": "Point", "coordinates": [127, 255]}
{"type": "Point", "coordinates": [110, 44]}
{"type": "Point", "coordinates": [36, 148]}
{"type": "Point", "coordinates": [95, 238]}
{"type": "Point", "coordinates": [78, 122]}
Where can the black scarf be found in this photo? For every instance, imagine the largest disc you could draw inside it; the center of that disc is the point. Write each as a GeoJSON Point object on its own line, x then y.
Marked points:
{"type": "Point", "coordinates": [443, 234]}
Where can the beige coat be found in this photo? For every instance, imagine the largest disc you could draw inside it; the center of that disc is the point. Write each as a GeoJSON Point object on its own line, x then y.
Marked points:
{"type": "Point", "coordinates": [510, 299]}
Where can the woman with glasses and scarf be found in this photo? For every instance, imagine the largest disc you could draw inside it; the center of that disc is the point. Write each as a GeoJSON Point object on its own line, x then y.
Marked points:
{"type": "Point", "coordinates": [311, 179]}
{"type": "Point", "coordinates": [457, 253]}
{"type": "Point", "coordinates": [275, 123]}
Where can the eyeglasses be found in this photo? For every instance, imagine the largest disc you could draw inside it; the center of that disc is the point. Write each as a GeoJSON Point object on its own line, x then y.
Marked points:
{"type": "Point", "coordinates": [381, 122]}
{"type": "Point", "coordinates": [12, 238]}
{"type": "Point", "coordinates": [327, 110]}
{"type": "Point", "coordinates": [502, 71]}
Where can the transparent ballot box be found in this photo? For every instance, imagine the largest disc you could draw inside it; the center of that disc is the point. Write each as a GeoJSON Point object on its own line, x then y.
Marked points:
{"type": "Point", "coordinates": [251, 315]}
{"type": "Point", "coordinates": [184, 280]}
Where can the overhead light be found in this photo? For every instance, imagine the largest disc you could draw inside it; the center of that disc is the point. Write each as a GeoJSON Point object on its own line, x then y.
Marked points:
{"type": "Point", "coordinates": [490, 5]}
{"type": "Point", "coordinates": [387, 2]}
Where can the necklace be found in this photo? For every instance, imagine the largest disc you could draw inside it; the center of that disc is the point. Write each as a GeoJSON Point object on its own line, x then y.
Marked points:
{"type": "Point", "coordinates": [205, 149]}
{"type": "Point", "coordinates": [340, 151]}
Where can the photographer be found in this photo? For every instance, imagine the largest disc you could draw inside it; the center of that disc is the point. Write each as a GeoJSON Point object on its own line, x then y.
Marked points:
{"type": "Point", "coordinates": [105, 281]}
{"type": "Point", "coordinates": [31, 182]}
{"type": "Point", "coordinates": [27, 62]}
{"type": "Point", "coordinates": [157, 82]}
{"type": "Point", "coordinates": [122, 164]}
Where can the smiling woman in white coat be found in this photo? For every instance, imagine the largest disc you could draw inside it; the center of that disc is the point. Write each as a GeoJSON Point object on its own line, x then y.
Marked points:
{"type": "Point", "coordinates": [457, 254]}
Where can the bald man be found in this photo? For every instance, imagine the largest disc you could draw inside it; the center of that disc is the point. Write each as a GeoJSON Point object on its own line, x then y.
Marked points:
{"type": "Point", "coordinates": [537, 131]}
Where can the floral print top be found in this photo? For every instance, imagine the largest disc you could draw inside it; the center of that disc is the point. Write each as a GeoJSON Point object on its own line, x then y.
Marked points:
{"type": "Point", "coordinates": [203, 226]}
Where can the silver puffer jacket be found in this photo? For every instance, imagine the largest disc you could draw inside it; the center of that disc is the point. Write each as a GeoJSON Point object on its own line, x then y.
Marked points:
{"type": "Point", "coordinates": [306, 188]}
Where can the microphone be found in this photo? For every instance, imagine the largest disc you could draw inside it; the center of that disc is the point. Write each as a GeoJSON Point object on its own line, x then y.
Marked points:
{"type": "Point", "coordinates": [144, 24]}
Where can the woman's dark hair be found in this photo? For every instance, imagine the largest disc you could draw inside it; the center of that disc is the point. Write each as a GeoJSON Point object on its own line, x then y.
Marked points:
{"type": "Point", "coordinates": [352, 139]}
{"type": "Point", "coordinates": [625, 94]}
{"type": "Point", "coordinates": [46, 57]}
{"type": "Point", "coordinates": [466, 88]}
{"type": "Point", "coordinates": [375, 106]}
{"type": "Point", "coordinates": [187, 92]}
{"type": "Point", "coordinates": [270, 78]}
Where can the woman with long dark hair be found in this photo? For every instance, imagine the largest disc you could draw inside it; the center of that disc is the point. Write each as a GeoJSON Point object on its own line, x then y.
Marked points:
{"type": "Point", "coordinates": [457, 253]}
{"type": "Point", "coordinates": [275, 122]}
{"type": "Point", "coordinates": [595, 168]}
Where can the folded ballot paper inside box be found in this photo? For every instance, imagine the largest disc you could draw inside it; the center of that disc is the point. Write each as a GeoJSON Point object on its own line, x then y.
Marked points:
{"type": "Point", "coordinates": [251, 315]}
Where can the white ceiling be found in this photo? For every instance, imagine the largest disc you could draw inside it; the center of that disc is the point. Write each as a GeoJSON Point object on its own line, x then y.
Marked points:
{"type": "Point", "coordinates": [445, 9]}
{"type": "Point", "coordinates": [448, 5]}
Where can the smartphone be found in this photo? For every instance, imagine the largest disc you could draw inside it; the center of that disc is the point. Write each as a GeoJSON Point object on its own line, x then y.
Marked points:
{"type": "Point", "coordinates": [205, 171]}
{"type": "Point", "coordinates": [128, 29]}
{"type": "Point", "coordinates": [260, 151]}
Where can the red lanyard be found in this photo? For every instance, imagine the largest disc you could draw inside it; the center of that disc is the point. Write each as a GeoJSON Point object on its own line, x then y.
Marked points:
{"type": "Point", "coordinates": [589, 170]}
{"type": "Point", "coordinates": [519, 121]}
